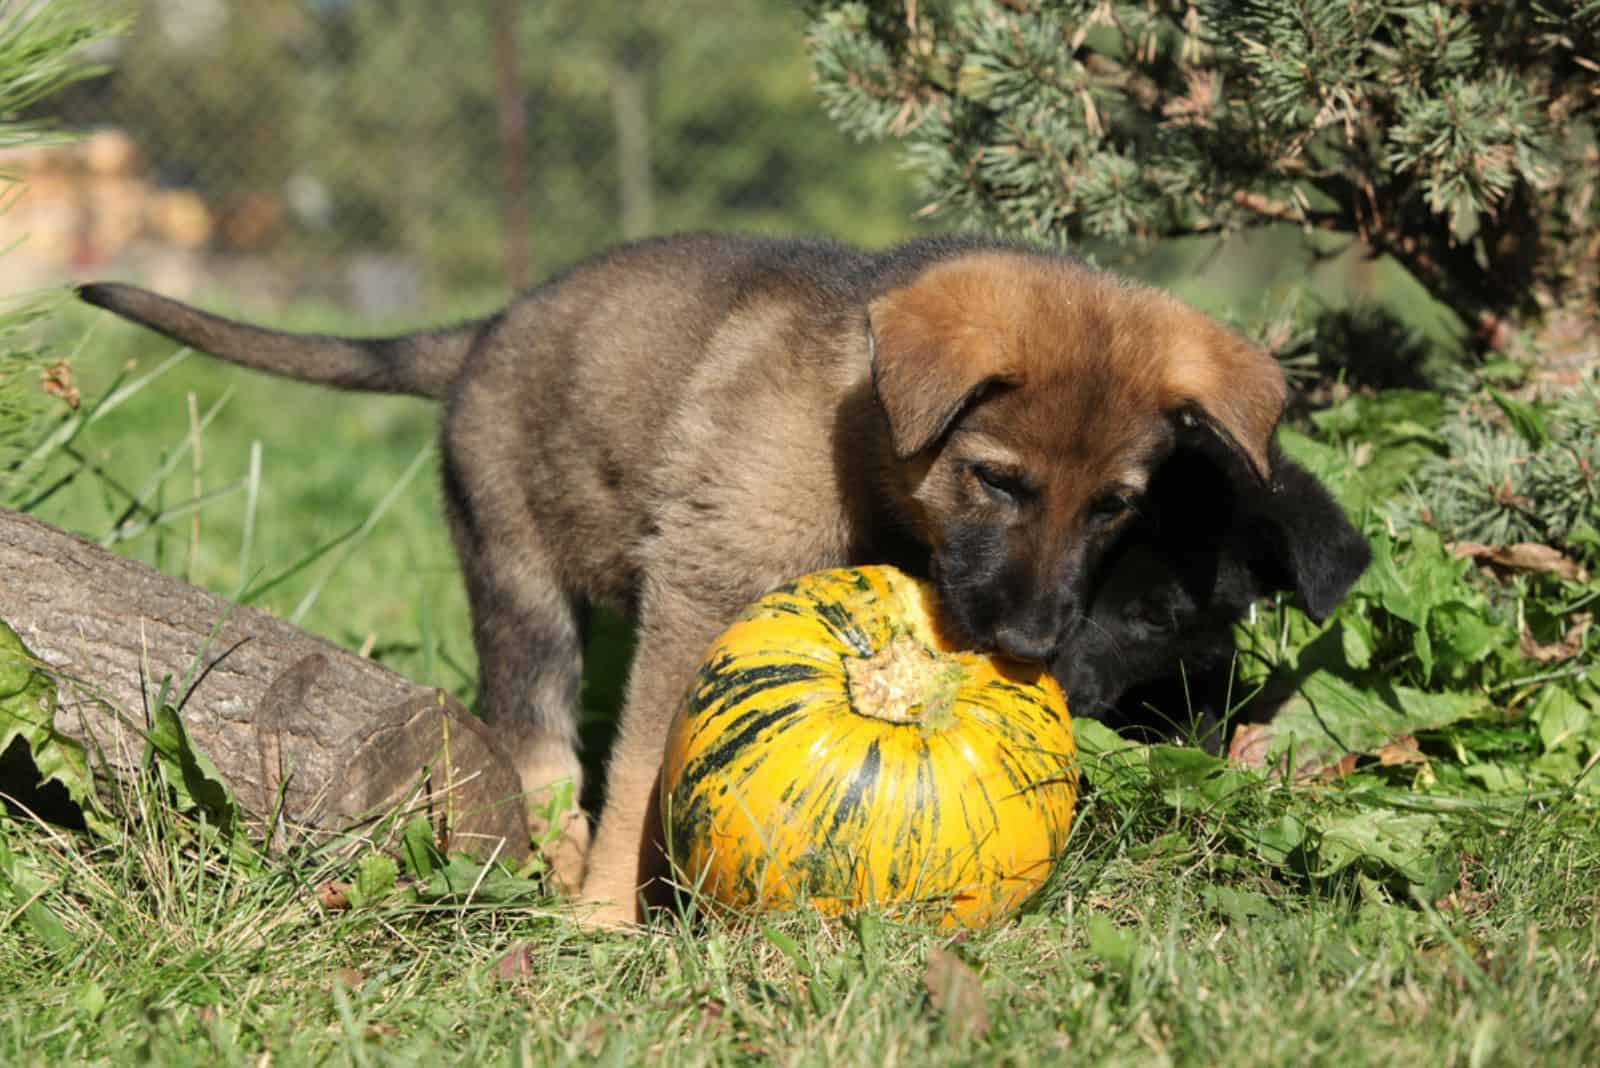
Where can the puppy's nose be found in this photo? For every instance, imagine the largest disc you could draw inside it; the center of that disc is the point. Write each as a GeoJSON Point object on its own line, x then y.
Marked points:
{"type": "Point", "coordinates": [1026, 644]}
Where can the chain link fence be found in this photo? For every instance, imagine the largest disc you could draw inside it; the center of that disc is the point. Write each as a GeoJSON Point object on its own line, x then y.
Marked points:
{"type": "Point", "coordinates": [403, 160]}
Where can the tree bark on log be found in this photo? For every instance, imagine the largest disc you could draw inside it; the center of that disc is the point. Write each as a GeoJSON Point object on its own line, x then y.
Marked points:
{"type": "Point", "coordinates": [298, 727]}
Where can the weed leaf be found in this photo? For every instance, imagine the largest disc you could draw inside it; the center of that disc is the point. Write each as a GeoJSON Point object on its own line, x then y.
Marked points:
{"type": "Point", "coordinates": [194, 780]}
{"type": "Point", "coordinates": [1525, 419]}
{"type": "Point", "coordinates": [27, 712]}
{"type": "Point", "coordinates": [376, 875]}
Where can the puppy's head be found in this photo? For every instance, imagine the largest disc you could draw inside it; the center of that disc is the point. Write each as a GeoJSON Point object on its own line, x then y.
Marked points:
{"type": "Point", "coordinates": [1029, 400]}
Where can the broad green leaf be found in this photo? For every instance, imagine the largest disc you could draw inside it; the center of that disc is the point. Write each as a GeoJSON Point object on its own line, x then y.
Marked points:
{"type": "Point", "coordinates": [91, 1000]}
{"type": "Point", "coordinates": [463, 878]}
{"type": "Point", "coordinates": [1464, 221]}
{"type": "Point", "coordinates": [1192, 779]}
{"type": "Point", "coordinates": [1390, 466]}
{"type": "Point", "coordinates": [1332, 468]}
{"type": "Point", "coordinates": [1361, 487]}
{"type": "Point", "coordinates": [1434, 576]}
{"type": "Point", "coordinates": [1184, 764]}
{"type": "Point", "coordinates": [1114, 766]}
{"type": "Point", "coordinates": [1384, 582]}
{"type": "Point", "coordinates": [422, 856]}
{"type": "Point", "coordinates": [27, 711]}
{"type": "Point", "coordinates": [1409, 844]}
{"type": "Point", "coordinates": [1422, 646]}
{"type": "Point", "coordinates": [868, 930]}
{"type": "Point", "coordinates": [375, 877]}
{"type": "Point", "coordinates": [1162, 847]}
{"type": "Point", "coordinates": [1503, 370]}
{"type": "Point", "coordinates": [1465, 635]}
{"type": "Point", "coordinates": [1391, 415]}
{"type": "Point", "coordinates": [1427, 710]}
{"type": "Point", "coordinates": [560, 799]}
{"type": "Point", "coordinates": [1357, 639]}
{"type": "Point", "coordinates": [1498, 778]}
{"type": "Point", "coordinates": [1095, 739]}
{"type": "Point", "coordinates": [194, 780]}
{"type": "Point", "coordinates": [1278, 841]}
{"type": "Point", "coordinates": [1563, 721]}
{"type": "Point", "coordinates": [1412, 588]}
{"type": "Point", "coordinates": [1585, 537]}
{"type": "Point", "coordinates": [1333, 715]}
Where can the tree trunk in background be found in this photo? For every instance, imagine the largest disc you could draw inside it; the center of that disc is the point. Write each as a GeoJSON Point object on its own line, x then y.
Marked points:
{"type": "Point", "coordinates": [513, 135]}
{"type": "Point", "coordinates": [630, 113]}
{"type": "Point", "coordinates": [279, 711]}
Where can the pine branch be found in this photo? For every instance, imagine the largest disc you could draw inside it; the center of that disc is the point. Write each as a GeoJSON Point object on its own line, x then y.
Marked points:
{"type": "Point", "coordinates": [1457, 138]}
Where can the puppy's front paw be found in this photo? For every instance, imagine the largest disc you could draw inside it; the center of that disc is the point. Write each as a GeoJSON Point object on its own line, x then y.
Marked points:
{"type": "Point", "coordinates": [605, 916]}
{"type": "Point", "coordinates": [609, 900]}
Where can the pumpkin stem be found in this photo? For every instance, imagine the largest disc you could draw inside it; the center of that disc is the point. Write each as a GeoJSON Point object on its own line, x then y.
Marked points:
{"type": "Point", "coordinates": [905, 682]}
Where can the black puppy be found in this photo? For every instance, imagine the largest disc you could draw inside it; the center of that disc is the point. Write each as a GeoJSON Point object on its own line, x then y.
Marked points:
{"type": "Point", "coordinates": [1155, 655]}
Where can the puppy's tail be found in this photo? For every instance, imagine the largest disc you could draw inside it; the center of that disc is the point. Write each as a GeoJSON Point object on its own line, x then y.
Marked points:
{"type": "Point", "coordinates": [422, 364]}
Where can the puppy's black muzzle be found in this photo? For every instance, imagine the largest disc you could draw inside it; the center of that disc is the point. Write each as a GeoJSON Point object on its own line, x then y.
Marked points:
{"type": "Point", "coordinates": [1027, 643]}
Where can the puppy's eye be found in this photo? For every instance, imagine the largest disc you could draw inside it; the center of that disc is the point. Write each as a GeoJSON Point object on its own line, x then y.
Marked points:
{"type": "Point", "coordinates": [1003, 487]}
{"type": "Point", "coordinates": [1109, 506]}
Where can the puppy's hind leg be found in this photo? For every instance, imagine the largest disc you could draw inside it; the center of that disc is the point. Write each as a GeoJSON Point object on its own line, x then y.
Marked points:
{"type": "Point", "coordinates": [528, 634]}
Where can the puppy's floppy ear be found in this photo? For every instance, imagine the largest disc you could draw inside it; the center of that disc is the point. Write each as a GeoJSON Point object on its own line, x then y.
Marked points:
{"type": "Point", "coordinates": [931, 356]}
{"type": "Point", "coordinates": [1310, 547]}
{"type": "Point", "coordinates": [1221, 385]}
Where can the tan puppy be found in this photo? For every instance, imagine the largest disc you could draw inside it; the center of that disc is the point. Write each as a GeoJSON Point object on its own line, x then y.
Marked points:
{"type": "Point", "coordinates": [679, 425]}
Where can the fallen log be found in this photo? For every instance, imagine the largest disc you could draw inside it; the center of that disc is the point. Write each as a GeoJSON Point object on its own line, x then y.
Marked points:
{"type": "Point", "coordinates": [303, 732]}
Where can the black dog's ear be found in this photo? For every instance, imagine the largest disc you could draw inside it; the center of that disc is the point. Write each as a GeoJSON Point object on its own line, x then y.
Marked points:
{"type": "Point", "coordinates": [1304, 542]}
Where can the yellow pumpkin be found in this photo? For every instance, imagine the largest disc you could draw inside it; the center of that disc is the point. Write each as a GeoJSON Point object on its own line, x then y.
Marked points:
{"type": "Point", "coordinates": [836, 749]}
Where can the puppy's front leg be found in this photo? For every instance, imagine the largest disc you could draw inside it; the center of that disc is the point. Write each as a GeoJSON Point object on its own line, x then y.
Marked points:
{"type": "Point", "coordinates": [627, 860]}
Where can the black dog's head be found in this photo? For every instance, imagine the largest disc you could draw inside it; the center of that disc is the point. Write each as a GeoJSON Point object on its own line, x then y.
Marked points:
{"type": "Point", "coordinates": [1155, 651]}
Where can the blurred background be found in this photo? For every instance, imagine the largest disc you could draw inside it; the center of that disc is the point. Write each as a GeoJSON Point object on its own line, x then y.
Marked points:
{"type": "Point", "coordinates": [401, 160]}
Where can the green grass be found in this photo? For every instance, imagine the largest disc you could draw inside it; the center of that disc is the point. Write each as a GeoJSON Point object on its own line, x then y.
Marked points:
{"type": "Point", "coordinates": [326, 462]}
{"type": "Point", "coordinates": [1155, 944]}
